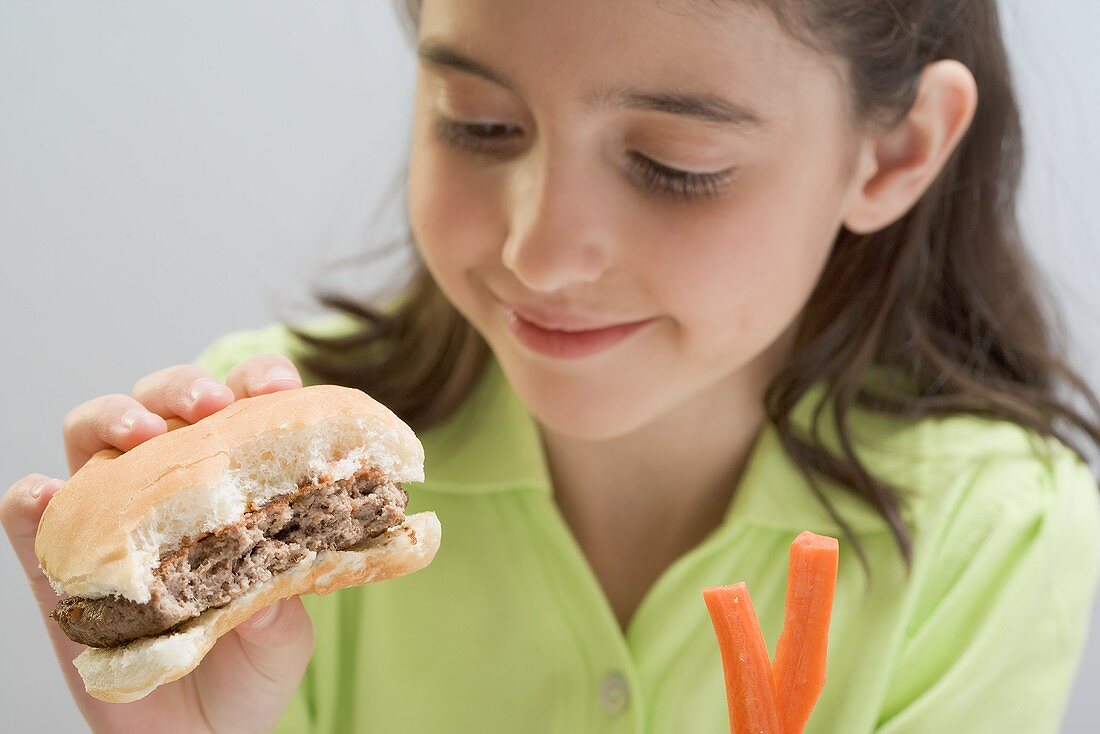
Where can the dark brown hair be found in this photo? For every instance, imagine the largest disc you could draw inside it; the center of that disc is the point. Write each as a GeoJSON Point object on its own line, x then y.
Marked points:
{"type": "Point", "coordinates": [946, 296]}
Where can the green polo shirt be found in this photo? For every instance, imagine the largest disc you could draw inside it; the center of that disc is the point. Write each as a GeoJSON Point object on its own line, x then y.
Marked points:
{"type": "Point", "coordinates": [509, 632]}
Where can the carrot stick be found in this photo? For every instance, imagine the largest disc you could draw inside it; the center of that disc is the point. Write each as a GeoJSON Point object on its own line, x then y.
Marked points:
{"type": "Point", "coordinates": [800, 654]}
{"type": "Point", "coordinates": [750, 692]}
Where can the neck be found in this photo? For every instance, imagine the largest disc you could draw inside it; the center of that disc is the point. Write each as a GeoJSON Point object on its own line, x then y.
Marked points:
{"type": "Point", "coordinates": [639, 501]}
{"type": "Point", "coordinates": [671, 479]}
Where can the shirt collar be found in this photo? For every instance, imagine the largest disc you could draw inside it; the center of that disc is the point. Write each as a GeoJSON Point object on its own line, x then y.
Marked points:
{"type": "Point", "coordinates": [775, 493]}
{"type": "Point", "coordinates": [492, 443]}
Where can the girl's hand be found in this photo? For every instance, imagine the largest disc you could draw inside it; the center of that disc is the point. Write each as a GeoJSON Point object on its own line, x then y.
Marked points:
{"type": "Point", "coordinates": [247, 679]}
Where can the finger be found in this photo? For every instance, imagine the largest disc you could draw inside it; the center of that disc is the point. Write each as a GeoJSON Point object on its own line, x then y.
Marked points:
{"type": "Point", "coordinates": [262, 374]}
{"type": "Point", "coordinates": [108, 422]}
{"type": "Point", "coordinates": [273, 633]}
{"type": "Point", "coordinates": [261, 662]}
{"type": "Point", "coordinates": [20, 511]}
{"type": "Point", "coordinates": [187, 391]}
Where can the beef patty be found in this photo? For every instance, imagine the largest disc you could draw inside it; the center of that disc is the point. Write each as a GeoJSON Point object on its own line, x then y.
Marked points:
{"type": "Point", "coordinates": [214, 569]}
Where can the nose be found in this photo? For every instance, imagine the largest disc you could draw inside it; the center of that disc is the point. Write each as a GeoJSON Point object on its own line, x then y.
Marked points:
{"type": "Point", "coordinates": [559, 234]}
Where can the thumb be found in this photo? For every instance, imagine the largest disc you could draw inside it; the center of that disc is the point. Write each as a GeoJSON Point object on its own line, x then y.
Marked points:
{"type": "Point", "coordinates": [272, 634]}
{"type": "Point", "coordinates": [252, 672]}
{"type": "Point", "coordinates": [21, 509]}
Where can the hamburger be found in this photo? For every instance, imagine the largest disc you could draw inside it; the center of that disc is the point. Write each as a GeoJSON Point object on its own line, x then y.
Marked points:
{"type": "Point", "coordinates": [166, 547]}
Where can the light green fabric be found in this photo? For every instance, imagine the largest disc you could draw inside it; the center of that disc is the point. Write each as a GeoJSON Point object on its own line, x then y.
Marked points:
{"type": "Point", "coordinates": [508, 630]}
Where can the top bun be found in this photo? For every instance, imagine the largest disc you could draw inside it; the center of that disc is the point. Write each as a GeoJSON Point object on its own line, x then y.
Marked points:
{"type": "Point", "coordinates": [104, 532]}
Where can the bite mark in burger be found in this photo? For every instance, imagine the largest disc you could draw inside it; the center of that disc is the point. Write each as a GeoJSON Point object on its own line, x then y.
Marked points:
{"type": "Point", "coordinates": [213, 570]}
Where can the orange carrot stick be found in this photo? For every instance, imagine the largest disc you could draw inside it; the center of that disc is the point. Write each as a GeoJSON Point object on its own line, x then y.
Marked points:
{"type": "Point", "coordinates": [750, 691]}
{"type": "Point", "coordinates": [800, 654]}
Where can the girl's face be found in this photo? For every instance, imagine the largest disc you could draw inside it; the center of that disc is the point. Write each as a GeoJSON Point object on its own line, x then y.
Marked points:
{"type": "Point", "coordinates": [630, 201]}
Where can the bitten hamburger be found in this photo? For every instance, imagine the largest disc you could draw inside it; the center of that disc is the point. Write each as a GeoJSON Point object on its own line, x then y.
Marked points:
{"type": "Point", "coordinates": [167, 547]}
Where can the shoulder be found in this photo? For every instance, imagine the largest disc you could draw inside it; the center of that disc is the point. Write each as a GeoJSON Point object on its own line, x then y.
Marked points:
{"type": "Point", "coordinates": [1006, 560]}
{"type": "Point", "coordinates": [989, 498]}
{"type": "Point", "coordinates": [233, 347]}
{"type": "Point", "coordinates": [977, 465]}
{"type": "Point", "coordinates": [1010, 486]}
{"type": "Point", "coordinates": [998, 476]}
{"type": "Point", "coordinates": [1011, 465]}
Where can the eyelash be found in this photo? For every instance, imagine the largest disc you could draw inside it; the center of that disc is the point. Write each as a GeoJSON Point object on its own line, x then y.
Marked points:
{"type": "Point", "coordinates": [654, 177]}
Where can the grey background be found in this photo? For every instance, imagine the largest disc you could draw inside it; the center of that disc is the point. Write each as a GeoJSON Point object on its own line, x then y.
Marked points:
{"type": "Point", "coordinates": [170, 171]}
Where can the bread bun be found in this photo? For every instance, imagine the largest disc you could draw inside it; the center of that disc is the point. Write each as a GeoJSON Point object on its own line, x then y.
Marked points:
{"type": "Point", "coordinates": [124, 674]}
{"type": "Point", "coordinates": [105, 532]}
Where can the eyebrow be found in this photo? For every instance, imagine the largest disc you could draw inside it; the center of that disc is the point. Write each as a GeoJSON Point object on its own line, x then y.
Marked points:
{"type": "Point", "coordinates": [701, 106]}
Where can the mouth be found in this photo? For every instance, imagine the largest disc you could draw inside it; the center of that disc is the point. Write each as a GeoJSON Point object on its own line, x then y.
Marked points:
{"type": "Point", "coordinates": [567, 337]}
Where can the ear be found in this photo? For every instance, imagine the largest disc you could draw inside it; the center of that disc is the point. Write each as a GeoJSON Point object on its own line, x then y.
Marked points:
{"type": "Point", "coordinates": [897, 166]}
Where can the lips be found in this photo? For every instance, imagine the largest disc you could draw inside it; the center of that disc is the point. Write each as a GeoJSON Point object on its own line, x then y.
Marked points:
{"type": "Point", "coordinates": [558, 321]}
{"type": "Point", "coordinates": [567, 336]}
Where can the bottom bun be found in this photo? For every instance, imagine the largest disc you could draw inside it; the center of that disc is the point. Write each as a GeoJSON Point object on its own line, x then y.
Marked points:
{"type": "Point", "coordinates": [122, 674]}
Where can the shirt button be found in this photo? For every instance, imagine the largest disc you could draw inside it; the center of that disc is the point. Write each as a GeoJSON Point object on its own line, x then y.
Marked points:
{"type": "Point", "coordinates": [614, 693]}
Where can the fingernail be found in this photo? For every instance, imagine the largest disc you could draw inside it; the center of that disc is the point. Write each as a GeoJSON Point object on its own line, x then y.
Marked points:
{"type": "Point", "coordinates": [266, 617]}
{"type": "Point", "coordinates": [131, 418]}
{"type": "Point", "coordinates": [201, 386]}
{"type": "Point", "coordinates": [47, 487]}
{"type": "Point", "coordinates": [280, 373]}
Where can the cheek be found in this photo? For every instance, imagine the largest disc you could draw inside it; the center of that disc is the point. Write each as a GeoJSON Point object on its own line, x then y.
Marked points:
{"type": "Point", "coordinates": [454, 220]}
{"type": "Point", "coordinates": [742, 272]}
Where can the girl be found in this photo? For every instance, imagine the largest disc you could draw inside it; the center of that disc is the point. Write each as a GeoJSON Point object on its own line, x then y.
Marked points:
{"type": "Point", "coordinates": [697, 276]}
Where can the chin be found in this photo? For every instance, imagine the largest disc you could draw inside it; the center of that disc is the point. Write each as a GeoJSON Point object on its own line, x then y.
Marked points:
{"type": "Point", "coordinates": [597, 405]}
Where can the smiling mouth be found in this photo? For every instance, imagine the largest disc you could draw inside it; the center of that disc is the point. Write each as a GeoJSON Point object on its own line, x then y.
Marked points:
{"type": "Point", "coordinates": [572, 326]}
{"type": "Point", "coordinates": [562, 321]}
{"type": "Point", "coordinates": [571, 342]}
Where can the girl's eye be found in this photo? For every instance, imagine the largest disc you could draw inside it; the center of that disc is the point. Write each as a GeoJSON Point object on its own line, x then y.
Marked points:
{"type": "Point", "coordinates": [477, 137]}
{"type": "Point", "coordinates": [490, 138]}
{"type": "Point", "coordinates": [673, 182]}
